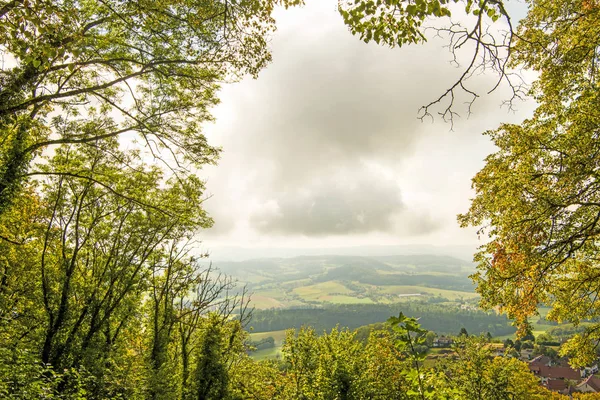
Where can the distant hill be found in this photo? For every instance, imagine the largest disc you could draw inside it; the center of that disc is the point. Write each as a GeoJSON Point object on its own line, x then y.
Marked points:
{"type": "Point", "coordinates": [464, 252]}
{"type": "Point", "coordinates": [314, 280]}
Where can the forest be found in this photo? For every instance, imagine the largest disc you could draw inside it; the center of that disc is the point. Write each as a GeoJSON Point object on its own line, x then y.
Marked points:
{"type": "Point", "coordinates": [103, 292]}
{"type": "Point", "coordinates": [438, 318]}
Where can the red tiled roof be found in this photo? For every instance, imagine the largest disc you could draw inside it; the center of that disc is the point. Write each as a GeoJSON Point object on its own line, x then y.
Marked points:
{"type": "Point", "coordinates": [540, 360]}
{"type": "Point", "coordinates": [534, 368]}
{"type": "Point", "coordinates": [556, 384]}
{"type": "Point", "coordinates": [559, 373]}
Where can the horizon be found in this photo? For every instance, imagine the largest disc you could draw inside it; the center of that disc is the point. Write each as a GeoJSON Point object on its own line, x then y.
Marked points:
{"type": "Point", "coordinates": [240, 253]}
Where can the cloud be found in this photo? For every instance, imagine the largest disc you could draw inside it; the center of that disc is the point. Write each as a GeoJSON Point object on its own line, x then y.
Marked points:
{"type": "Point", "coordinates": [331, 100]}
{"type": "Point", "coordinates": [333, 205]}
{"type": "Point", "coordinates": [300, 142]}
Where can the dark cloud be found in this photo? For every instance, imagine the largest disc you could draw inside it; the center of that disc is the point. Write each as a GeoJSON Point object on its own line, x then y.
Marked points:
{"type": "Point", "coordinates": [333, 205]}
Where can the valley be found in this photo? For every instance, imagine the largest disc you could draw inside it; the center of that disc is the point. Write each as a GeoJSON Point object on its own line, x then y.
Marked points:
{"type": "Point", "coordinates": [353, 292]}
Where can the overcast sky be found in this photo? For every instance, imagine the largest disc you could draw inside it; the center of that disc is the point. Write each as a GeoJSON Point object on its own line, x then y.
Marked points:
{"type": "Point", "coordinates": [325, 148]}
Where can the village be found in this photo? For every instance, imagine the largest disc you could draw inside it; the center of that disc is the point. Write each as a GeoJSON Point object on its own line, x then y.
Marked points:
{"type": "Point", "coordinates": [554, 372]}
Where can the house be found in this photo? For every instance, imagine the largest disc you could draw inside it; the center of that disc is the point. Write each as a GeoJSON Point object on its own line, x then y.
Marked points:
{"type": "Point", "coordinates": [589, 385]}
{"type": "Point", "coordinates": [556, 385]}
{"type": "Point", "coordinates": [537, 363]}
{"type": "Point", "coordinates": [497, 349]}
{"type": "Point", "coordinates": [546, 373]}
{"type": "Point", "coordinates": [541, 361]}
{"type": "Point", "coordinates": [526, 354]}
{"type": "Point", "coordinates": [591, 370]}
{"type": "Point", "coordinates": [443, 341]}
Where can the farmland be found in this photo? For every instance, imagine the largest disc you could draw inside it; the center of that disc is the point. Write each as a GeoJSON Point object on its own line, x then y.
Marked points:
{"type": "Point", "coordinates": [350, 291]}
{"type": "Point", "coordinates": [316, 281]}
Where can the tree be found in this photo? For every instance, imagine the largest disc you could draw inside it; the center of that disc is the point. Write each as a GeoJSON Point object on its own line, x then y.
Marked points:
{"type": "Point", "coordinates": [98, 293]}
{"type": "Point", "coordinates": [211, 378]}
{"type": "Point", "coordinates": [537, 199]}
{"type": "Point", "coordinates": [82, 72]}
{"type": "Point", "coordinates": [322, 367]}
{"type": "Point", "coordinates": [429, 338]}
{"type": "Point", "coordinates": [518, 345]}
{"type": "Point", "coordinates": [475, 375]}
{"type": "Point", "coordinates": [410, 337]}
{"type": "Point", "coordinates": [396, 23]}
{"type": "Point", "coordinates": [96, 246]}
{"type": "Point", "coordinates": [463, 332]}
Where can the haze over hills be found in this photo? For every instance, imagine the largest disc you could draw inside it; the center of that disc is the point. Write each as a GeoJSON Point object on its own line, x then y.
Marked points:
{"type": "Point", "coordinates": [314, 280]}
{"type": "Point", "coordinates": [231, 253]}
{"type": "Point", "coordinates": [350, 291]}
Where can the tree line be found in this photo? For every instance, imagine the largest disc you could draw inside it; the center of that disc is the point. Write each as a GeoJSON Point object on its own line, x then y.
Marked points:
{"type": "Point", "coordinates": [438, 318]}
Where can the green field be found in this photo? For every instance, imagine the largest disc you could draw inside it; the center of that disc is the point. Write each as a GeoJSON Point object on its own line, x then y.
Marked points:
{"type": "Point", "coordinates": [537, 328]}
{"type": "Point", "coordinates": [273, 352]}
{"type": "Point", "coordinates": [321, 290]}
{"type": "Point", "coordinates": [263, 302]}
{"type": "Point", "coordinates": [266, 354]}
{"type": "Point", "coordinates": [279, 336]}
{"type": "Point", "coordinates": [340, 299]}
{"type": "Point", "coordinates": [427, 291]}
{"type": "Point", "coordinates": [306, 282]}
{"type": "Point", "coordinates": [298, 293]}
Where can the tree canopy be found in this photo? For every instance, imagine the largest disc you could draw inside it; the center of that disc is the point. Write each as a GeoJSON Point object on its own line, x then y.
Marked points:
{"type": "Point", "coordinates": [148, 71]}
{"type": "Point", "coordinates": [537, 196]}
{"type": "Point", "coordinates": [537, 199]}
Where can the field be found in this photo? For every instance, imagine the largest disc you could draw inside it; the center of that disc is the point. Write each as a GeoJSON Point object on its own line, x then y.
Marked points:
{"type": "Point", "coordinates": [321, 290]}
{"type": "Point", "coordinates": [261, 302]}
{"type": "Point", "coordinates": [273, 352]}
{"type": "Point", "coordinates": [318, 281]}
{"type": "Point", "coordinates": [337, 292]}
{"type": "Point", "coordinates": [452, 295]}
{"type": "Point", "coordinates": [279, 336]}
{"type": "Point", "coordinates": [314, 281]}
{"type": "Point", "coordinates": [307, 283]}
{"type": "Point", "coordinates": [266, 354]}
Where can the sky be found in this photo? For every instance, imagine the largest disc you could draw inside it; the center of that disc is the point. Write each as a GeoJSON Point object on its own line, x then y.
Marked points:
{"type": "Point", "coordinates": [325, 148]}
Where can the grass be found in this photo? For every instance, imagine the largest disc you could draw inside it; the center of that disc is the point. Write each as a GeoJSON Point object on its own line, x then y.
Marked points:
{"type": "Point", "coordinates": [449, 294]}
{"type": "Point", "coordinates": [266, 354]}
{"type": "Point", "coordinates": [264, 302]}
{"type": "Point", "coordinates": [296, 283]}
{"type": "Point", "coordinates": [279, 336]}
{"type": "Point", "coordinates": [341, 299]}
{"type": "Point", "coordinates": [320, 290]}
{"type": "Point", "coordinates": [273, 352]}
{"type": "Point", "coordinates": [275, 293]}
{"type": "Point", "coordinates": [537, 328]}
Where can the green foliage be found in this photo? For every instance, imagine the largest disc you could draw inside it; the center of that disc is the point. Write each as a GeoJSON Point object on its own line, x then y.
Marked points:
{"type": "Point", "coordinates": [85, 71]}
{"type": "Point", "coordinates": [99, 297]}
{"type": "Point", "coordinates": [395, 22]}
{"type": "Point", "coordinates": [439, 318]}
{"type": "Point", "coordinates": [265, 343]}
{"type": "Point", "coordinates": [537, 196]}
{"type": "Point", "coordinates": [337, 366]}
{"type": "Point", "coordinates": [410, 340]}
{"type": "Point", "coordinates": [475, 374]}
{"type": "Point", "coordinates": [210, 378]}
